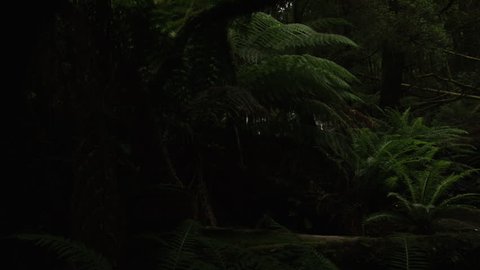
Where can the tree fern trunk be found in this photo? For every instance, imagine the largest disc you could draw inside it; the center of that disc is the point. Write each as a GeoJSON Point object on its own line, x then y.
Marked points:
{"type": "Point", "coordinates": [392, 75]}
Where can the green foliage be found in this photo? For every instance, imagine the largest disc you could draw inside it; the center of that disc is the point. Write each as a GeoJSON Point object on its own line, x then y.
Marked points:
{"type": "Point", "coordinates": [405, 148]}
{"type": "Point", "coordinates": [265, 79]}
{"type": "Point", "coordinates": [187, 248]}
{"type": "Point", "coordinates": [287, 81]}
{"type": "Point", "coordinates": [405, 256]}
{"type": "Point", "coordinates": [403, 155]}
{"type": "Point", "coordinates": [413, 25]}
{"type": "Point", "coordinates": [73, 252]}
{"type": "Point", "coordinates": [212, 72]}
{"type": "Point", "coordinates": [293, 86]}
{"type": "Point", "coordinates": [261, 36]}
{"type": "Point", "coordinates": [450, 139]}
{"type": "Point", "coordinates": [428, 198]}
{"type": "Point", "coordinates": [323, 24]}
{"type": "Point", "coordinates": [171, 15]}
{"type": "Point", "coordinates": [180, 248]}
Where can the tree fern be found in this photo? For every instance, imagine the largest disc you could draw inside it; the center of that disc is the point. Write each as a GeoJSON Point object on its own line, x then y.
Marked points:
{"type": "Point", "coordinates": [262, 34]}
{"type": "Point", "coordinates": [245, 69]}
{"type": "Point", "coordinates": [284, 80]}
{"type": "Point", "coordinates": [216, 101]}
{"type": "Point", "coordinates": [73, 252]}
{"type": "Point", "coordinates": [328, 23]}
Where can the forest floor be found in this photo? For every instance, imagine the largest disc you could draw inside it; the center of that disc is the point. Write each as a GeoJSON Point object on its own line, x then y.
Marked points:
{"type": "Point", "coordinates": [457, 250]}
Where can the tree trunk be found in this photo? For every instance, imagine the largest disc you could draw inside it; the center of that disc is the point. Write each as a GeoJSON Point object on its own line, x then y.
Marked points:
{"type": "Point", "coordinates": [97, 214]}
{"type": "Point", "coordinates": [392, 68]}
{"type": "Point", "coordinates": [392, 75]}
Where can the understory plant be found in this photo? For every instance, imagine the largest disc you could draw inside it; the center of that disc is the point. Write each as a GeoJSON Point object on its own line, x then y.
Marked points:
{"type": "Point", "coordinates": [404, 255]}
{"type": "Point", "coordinates": [188, 248]}
{"type": "Point", "coordinates": [408, 160]}
{"type": "Point", "coordinates": [428, 198]}
{"type": "Point", "coordinates": [403, 146]}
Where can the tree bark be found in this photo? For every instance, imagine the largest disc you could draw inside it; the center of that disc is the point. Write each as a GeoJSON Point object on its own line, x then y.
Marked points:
{"type": "Point", "coordinates": [98, 218]}
{"type": "Point", "coordinates": [392, 75]}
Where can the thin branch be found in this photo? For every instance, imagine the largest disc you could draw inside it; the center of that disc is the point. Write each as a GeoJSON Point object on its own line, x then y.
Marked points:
{"type": "Point", "coordinates": [432, 90]}
{"type": "Point", "coordinates": [167, 160]}
{"type": "Point", "coordinates": [370, 77]}
{"type": "Point", "coordinates": [448, 80]}
{"type": "Point", "coordinates": [427, 89]}
{"type": "Point", "coordinates": [462, 55]}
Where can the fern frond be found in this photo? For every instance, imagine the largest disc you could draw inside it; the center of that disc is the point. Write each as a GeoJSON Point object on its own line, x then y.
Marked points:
{"type": "Point", "coordinates": [384, 217]}
{"type": "Point", "coordinates": [283, 79]}
{"type": "Point", "coordinates": [215, 252]}
{"type": "Point", "coordinates": [323, 24]}
{"type": "Point", "coordinates": [255, 39]}
{"type": "Point", "coordinates": [400, 198]}
{"type": "Point", "coordinates": [291, 36]}
{"type": "Point", "coordinates": [322, 262]}
{"type": "Point", "coordinates": [446, 183]}
{"type": "Point", "coordinates": [450, 202]}
{"type": "Point", "coordinates": [180, 249]}
{"type": "Point", "coordinates": [68, 250]}
{"type": "Point", "coordinates": [317, 107]}
{"type": "Point", "coordinates": [407, 257]}
{"type": "Point", "coordinates": [217, 101]}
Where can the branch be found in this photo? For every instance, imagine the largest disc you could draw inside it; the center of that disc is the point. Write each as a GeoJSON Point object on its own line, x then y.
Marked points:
{"type": "Point", "coordinates": [448, 80]}
{"type": "Point", "coordinates": [166, 158]}
{"type": "Point", "coordinates": [461, 55]}
{"type": "Point", "coordinates": [427, 89]}
{"type": "Point", "coordinates": [432, 90]}
{"type": "Point", "coordinates": [447, 7]}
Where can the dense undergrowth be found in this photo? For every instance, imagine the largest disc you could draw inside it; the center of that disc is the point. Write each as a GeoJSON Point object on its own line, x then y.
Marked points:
{"type": "Point", "coordinates": [225, 134]}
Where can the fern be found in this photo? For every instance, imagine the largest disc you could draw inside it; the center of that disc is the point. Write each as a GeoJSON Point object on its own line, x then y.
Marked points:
{"type": "Point", "coordinates": [180, 249]}
{"type": "Point", "coordinates": [262, 34]}
{"type": "Point", "coordinates": [449, 138]}
{"type": "Point", "coordinates": [172, 15]}
{"type": "Point", "coordinates": [315, 260]}
{"type": "Point", "coordinates": [283, 81]}
{"type": "Point", "coordinates": [452, 201]}
{"type": "Point", "coordinates": [244, 69]}
{"type": "Point", "coordinates": [298, 254]}
{"type": "Point", "coordinates": [73, 252]}
{"type": "Point", "coordinates": [427, 201]}
{"type": "Point", "coordinates": [446, 183]}
{"type": "Point", "coordinates": [407, 257]}
{"type": "Point", "coordinates": [187, 248]}
{"type": "Point", "coordinates": [404, 150]}
{"type": "Point", "coordinates": [410, 155]}
{"type": "Point", "coordinates": [216, 101]}
{"type": "Point", "coordinates": [383, 217]}
{"type": "Point", "coordinates": [328, 23]}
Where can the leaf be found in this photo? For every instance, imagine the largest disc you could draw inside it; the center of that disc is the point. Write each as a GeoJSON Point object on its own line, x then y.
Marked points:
{"type": "Point", "coordinates": [71, 251]}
